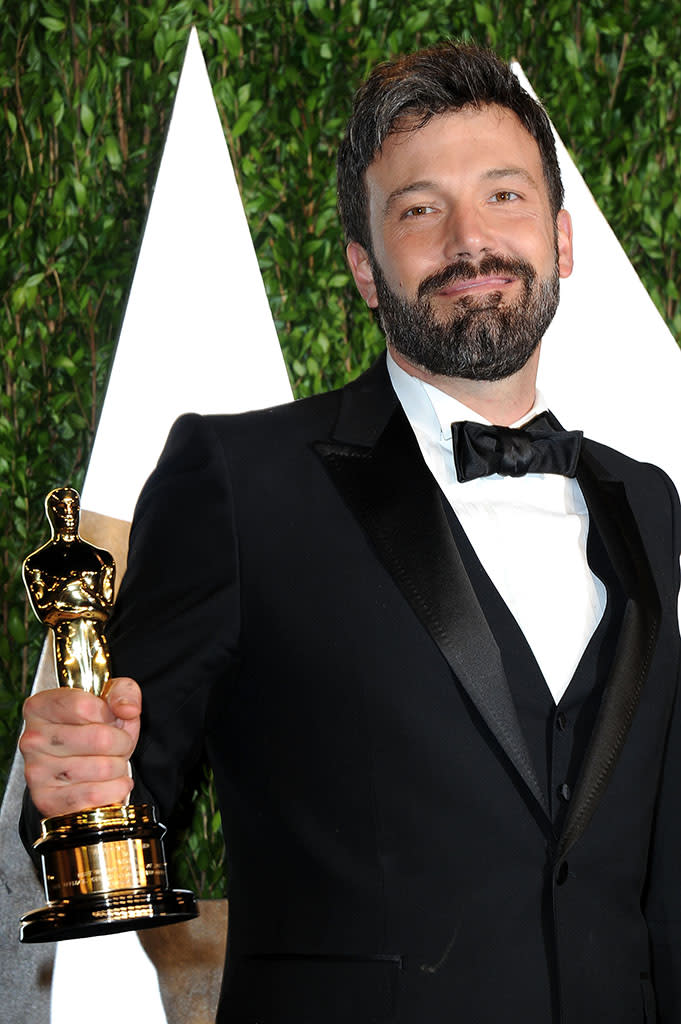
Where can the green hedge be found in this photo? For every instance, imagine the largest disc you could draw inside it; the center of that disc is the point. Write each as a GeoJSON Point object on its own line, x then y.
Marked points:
{"type": "Point", "coordinates": [87, 90]}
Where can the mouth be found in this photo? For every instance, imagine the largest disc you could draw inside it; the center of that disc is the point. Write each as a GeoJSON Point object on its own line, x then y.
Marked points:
{"type": "Point", "coordinates": [476, 284]}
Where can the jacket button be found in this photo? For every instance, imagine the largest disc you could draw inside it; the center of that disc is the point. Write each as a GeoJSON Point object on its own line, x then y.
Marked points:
{"type": "Point", "coordinates": [562, 873]}
{"type": "Point", "coordinates": [564, 792]}
{"type": "Point", "coordinates": [561, 721]}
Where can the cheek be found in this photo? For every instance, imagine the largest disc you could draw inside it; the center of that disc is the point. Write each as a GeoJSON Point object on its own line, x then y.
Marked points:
{"type": "Point", "coordinates": [540, 244]}
{"type": "Point", "coordinates": [410, 261]}
{"type": "Point", "coordinates": [396, 264]}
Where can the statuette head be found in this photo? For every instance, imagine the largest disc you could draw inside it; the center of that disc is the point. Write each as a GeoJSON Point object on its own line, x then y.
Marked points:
{"type": "Point", "coordinates": [63, 509]}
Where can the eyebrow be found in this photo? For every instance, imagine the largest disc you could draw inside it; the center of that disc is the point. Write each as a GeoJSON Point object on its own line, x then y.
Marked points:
{"type": "Point", "coordinates": [414, 186]}
{"type": "Point", "coordinates": [509, 172]}
{"type": "Point", "coordinates": [492, 174]}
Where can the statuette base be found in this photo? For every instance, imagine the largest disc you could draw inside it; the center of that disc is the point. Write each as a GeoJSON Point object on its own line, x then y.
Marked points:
{"type": "Point", "coordinates": [104, 871]}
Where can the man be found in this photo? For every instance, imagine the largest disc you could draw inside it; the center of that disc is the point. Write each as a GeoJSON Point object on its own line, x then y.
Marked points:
{"type": "Point", "coordinates": [439, 704]}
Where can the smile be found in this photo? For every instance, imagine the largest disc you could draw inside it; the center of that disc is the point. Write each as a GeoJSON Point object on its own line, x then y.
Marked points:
{"type": "Point", "coordinates": [476, 284]}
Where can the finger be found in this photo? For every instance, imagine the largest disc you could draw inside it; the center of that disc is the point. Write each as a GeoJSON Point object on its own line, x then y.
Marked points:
{"type": "Point", "coordinates": [57, 772]}
{"type": "Point", "coordinates": [68, 799]}
{"type": "Point", "coordinates": [43, 738]}
{"type": "Point", "coordinates": [68, 706]}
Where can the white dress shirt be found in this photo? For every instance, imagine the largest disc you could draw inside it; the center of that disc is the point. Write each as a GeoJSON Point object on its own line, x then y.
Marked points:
{"type": "Point", "coordinates": [529, 533]}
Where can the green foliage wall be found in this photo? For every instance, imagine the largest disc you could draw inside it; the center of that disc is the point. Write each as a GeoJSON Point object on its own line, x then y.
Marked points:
{"type": "Point", "coordinates": [86, 90]}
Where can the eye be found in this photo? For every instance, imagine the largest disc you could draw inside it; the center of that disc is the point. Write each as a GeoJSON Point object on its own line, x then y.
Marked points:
{"type": "Point", "coordinates": [504, 196]}
{"type": "Point", "coordinates": [418, 211]}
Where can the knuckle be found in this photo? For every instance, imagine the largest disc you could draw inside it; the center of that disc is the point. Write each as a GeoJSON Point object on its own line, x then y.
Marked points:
{"type": "Point", "coordinates": [104, 740]}
{"type": "Point", "coordinates": [27, 707]}
{"type": "Point", "coordinates": [33, 776]}
{"type": "Point", "coordinates": [90, 795]}
{"type": "Point", "coordinates": [29, 740]}
{"type": "Point", "coordinates": [73, 800]}
{"type": "Point", "coordinates": [35, 701]}
{"type": "Point", "coordinates": [76, 705]}
{"type": "Point", "coordinates": [106, 769]}
{"type": "Point", "coordinates": [73, 706]}
{"type": "Point", "coordinates": [99, 794]}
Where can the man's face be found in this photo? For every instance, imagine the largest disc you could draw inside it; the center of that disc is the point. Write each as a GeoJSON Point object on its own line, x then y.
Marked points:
{"type": "Point", "coordinates": [466, 254]}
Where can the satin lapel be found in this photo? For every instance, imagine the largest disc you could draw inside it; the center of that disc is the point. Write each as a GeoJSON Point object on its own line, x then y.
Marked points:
{"type": "Point", "coordinates": [393, 495]}
{"type": "Point", "coordinates": [609, 508]}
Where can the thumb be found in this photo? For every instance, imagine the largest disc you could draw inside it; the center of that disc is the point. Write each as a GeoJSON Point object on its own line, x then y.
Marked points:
{"type": "Point", "coordinates": [124, 698]}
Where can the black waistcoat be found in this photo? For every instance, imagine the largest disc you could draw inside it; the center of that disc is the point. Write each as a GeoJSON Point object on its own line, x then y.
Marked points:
{"type": "Point", "coordinates": [556, 735]}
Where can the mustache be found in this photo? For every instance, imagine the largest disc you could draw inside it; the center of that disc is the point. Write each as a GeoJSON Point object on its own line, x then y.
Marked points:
{"type": "Point", "coordinates": [466, 270]}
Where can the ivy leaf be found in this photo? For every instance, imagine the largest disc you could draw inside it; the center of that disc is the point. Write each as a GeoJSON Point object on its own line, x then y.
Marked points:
{"type": "Point", "coordinates": [53, 24]}
{"type": "Point", "coordinates": [112, 151]}
{"type": "Point", "coordinates": [87, 118]}
{"type": "Point", "coordinates": [15, 626]}
{"type": "Point", "coordinates": [79, 191]}
{"type": "Point", "coordinates": [571, 51]}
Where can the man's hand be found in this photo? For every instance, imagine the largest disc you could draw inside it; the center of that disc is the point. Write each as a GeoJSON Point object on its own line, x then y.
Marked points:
{"type": "Point", "coordinates": [76, 746]}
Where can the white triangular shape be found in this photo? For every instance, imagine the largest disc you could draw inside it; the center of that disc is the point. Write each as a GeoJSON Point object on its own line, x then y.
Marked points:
{"type": "Point", "coordinates": [609, 364]}
{"type": "Point", "coordinates": [197, 334]}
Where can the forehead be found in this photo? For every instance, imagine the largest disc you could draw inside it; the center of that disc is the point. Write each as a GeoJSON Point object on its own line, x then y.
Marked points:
{"type": "Point", "coordinates": [458, 145]}
{"type": "Point", "coordinates": [61, 499]}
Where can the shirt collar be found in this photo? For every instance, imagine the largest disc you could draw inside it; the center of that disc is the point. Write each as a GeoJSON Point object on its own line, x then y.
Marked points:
{"type": "Point", "coordinates": [433, 411]}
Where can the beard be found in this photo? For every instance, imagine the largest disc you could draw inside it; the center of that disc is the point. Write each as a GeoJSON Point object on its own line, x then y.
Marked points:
{"type": "Point", "coordinates": [481, 338]}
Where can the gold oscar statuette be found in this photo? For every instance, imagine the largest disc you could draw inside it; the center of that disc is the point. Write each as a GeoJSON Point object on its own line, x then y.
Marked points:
{"type": "Point", "coordinates": [104, 869]}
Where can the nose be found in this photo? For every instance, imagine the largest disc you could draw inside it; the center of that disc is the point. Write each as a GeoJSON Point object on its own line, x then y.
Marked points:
{"type": "Point", "coordinates": [467, 234]}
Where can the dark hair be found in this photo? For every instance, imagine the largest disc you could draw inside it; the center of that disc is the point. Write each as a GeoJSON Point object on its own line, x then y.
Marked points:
{"type": "Point", "coordinates": [446, 77]}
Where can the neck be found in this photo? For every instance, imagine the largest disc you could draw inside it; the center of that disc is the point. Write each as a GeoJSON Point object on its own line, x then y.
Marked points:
{"type": "Point", "coordinates": [500, 401]}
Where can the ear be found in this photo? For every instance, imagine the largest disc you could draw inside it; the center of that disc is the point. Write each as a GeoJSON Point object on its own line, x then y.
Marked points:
{"type": "Point", "coordinates": [358, 259]}
{"type": "Point", "coordinates": [564, 241]}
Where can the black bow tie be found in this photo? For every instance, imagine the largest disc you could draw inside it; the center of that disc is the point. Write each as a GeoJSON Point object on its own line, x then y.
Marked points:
{"type": "Point", "coordinates": [540, 446]}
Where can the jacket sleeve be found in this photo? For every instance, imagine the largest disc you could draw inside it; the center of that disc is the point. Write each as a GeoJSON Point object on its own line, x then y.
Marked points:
{"type": "Point", "coordinates": [175, 626]}
{"type": "Point", "coordinates": [662, 897]}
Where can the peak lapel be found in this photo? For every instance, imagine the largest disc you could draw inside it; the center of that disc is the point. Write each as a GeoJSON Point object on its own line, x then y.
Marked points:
{"type": "Point", "coordinates": [609, 508]}
{"type": "Point", "coordinates": [391, 492]}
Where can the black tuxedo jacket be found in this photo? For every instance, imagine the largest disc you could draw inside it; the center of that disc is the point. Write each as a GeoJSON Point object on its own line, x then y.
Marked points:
{"type": "Point", "coordinates": [295, 602]}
